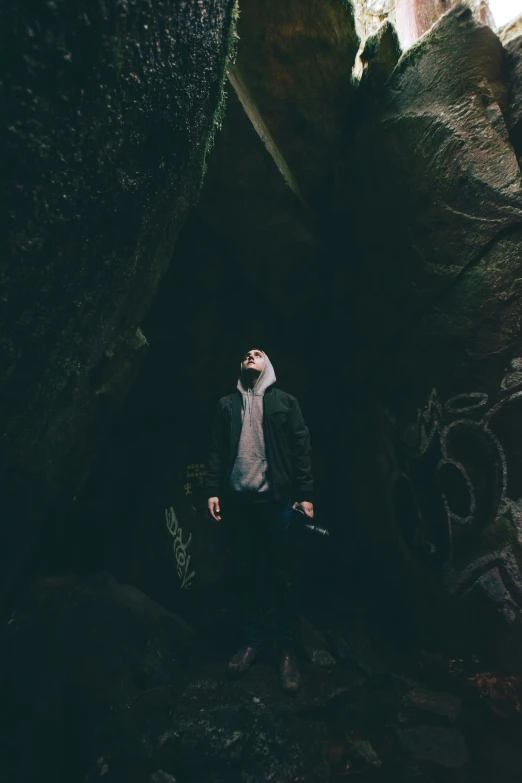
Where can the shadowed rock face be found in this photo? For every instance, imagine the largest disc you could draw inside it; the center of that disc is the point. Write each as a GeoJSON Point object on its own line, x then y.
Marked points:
{"type": "Point", "coordinates": [109, 109]}
{"type": "Point", "coordinates": [437, 169]}
{"type": "Point", "coordinates": [415, 289]}
{"type": "Point", "coordinates": [297, 59]}
{"type": "Point", "coordinates": [434, 167]}
{"type": "Point", "coordinates": [514, 77]}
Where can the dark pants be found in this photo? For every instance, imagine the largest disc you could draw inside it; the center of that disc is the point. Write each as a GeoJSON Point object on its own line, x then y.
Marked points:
{"type": "Point", "coordinates": [263, 543]}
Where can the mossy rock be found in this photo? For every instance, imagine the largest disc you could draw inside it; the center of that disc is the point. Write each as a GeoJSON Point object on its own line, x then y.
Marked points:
{"type": "Point", "coordinates": [109, 112]}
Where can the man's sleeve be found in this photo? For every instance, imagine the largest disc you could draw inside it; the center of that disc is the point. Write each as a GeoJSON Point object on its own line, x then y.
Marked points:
{"type": "Point", "coordinates": [213, 479]}
{"type": "Point", "coordinates": [301, 456]}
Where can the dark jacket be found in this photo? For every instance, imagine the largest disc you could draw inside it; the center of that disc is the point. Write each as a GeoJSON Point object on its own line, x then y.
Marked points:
{"type": "Point", "coordinates": [287, 444]}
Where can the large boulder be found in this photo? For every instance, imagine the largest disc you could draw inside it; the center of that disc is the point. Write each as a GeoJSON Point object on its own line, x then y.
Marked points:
{"type": "Point", "coordinates": [437, 471]}
{"type": "Point", "coordinates": [433, 165]}
{"type": "Point", "coordinates": [78, 652]}
{"type": "Point", "coordinates": [510, 30]}
{"type": "Point", "coordinates": [108, 113]}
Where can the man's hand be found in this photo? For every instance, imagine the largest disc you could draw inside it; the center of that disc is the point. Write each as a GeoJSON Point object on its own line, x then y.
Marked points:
{"type": "Point", "coordinates": [213, 507]}
{"type": "Point", "coordinates": [308, 508]}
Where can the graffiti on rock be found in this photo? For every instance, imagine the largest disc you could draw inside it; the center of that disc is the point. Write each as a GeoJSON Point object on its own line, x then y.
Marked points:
{"type": "Point", "coordinates": [457, 495]}
{"type": "Point", "coordinates": [180, 549]}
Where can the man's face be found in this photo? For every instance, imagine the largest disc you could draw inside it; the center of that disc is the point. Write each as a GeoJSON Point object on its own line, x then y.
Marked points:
{"type": "Point", "coordinates": [254, 360]}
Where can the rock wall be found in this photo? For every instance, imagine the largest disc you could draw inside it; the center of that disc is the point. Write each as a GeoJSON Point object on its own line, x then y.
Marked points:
{"type": "Point", "coordinates": [297, 59]}
{"type": "Point", "coordinates": [439, 315]}
{"type": "Point", "coordinates": [107, 647]}
{"type": "Point", "coordinates": [388, 271]}
{"type": "Point", "coordinates": [109, 110]}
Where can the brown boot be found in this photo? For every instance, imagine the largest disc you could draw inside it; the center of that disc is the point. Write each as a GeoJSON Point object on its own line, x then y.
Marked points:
{"type": "Point", "coordinates": [289, 676]}
{"type": "Point", "coordinates": [242, 660]}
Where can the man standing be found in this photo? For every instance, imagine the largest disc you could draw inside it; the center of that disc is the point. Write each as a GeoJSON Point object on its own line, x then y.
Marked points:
{"type": "Point", "coordinates": [259, 465]}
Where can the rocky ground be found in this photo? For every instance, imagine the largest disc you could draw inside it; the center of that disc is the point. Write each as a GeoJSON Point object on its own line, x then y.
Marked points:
{"type": "Point", "coordinates": [105, 684]}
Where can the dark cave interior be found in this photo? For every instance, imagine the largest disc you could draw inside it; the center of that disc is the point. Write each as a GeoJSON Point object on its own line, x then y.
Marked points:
{"type": "Point", "coordinates": [185, 186]}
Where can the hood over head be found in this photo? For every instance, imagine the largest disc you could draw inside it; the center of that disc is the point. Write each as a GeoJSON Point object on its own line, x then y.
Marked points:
{"type": "Point", "coordinates": [266, 378]}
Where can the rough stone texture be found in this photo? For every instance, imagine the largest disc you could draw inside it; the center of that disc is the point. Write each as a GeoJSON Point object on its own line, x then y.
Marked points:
{"type": "Point", "coordinates": [414, 17]}
{"type": "Point", "coordinates": [467, 339]}
{"type": "Point", "coordinates": [440, 298]}
{"type": "Point", "coordinates": [424, 700]}
{"type": "Point", "coordinates": [296, 57]}
{"type": "Point", "coordinates": [450, 463]}
{"type": "Point", "coordinates": [514, 81]}
{"type": "Point", "coordinates": [76, 654]}
{"type": "Point", "coordinates": [379, 57]}
{"type": "Point", "coordinates": [436, 475]}
{"type": "Point", "coordinates": [435, 743]}
{"type": "Point", "coordinates": [443, 184]}
{"type": "Point", "coordinates": [101, 689]}
{"type": "Point", "coordinates": [108, 112]}
{"type": "Point", "coordinates": [432, 300]}
{"type": "Point", "coordinates": [369, 17]}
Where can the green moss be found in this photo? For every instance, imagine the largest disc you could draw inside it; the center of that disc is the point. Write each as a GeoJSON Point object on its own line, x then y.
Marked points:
{"type": "Point", "coordinates": [221, 108]}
